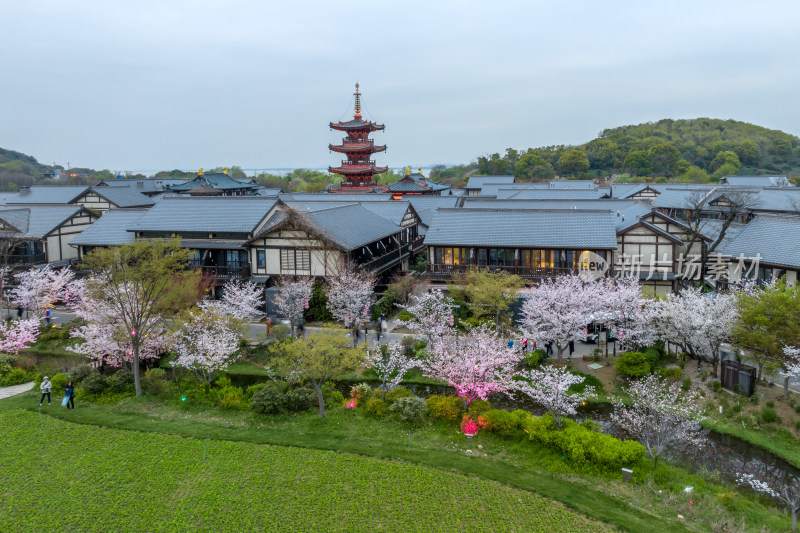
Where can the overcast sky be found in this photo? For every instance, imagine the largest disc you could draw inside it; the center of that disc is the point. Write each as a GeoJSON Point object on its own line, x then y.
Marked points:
{"type": "Point", "coordinates": [186, 84]}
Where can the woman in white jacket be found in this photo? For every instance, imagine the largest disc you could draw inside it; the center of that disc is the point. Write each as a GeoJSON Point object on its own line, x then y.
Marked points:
{"type": "Point", "coordinates": [45, 387]}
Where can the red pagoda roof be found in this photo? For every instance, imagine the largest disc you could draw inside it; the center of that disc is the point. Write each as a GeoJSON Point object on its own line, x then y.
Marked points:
{"type": "Point", "coordinates": [346, 148]}
{"type": "Point", "coordinates": [358, 170]}
{"type": "Point", "coordinates": [357, 124]}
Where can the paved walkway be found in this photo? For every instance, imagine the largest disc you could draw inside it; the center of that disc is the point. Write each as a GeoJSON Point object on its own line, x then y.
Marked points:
{"type": "Point", "coordinates": [6, 392]}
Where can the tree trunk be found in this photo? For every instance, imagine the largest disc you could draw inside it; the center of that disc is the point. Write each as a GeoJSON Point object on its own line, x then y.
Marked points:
{"type": "Point", "coordinates": [136, 379]}
{"type": "Point", "coordinates": [560, 352]}
{"type": "Point", "coordinates": [794, 518]}
{"type": "Point", "coordinates": [320, 398]}
{"type": "Point", "coordinates": [786, 387]}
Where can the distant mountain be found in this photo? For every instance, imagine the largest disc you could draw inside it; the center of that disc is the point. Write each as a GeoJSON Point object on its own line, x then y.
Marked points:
{"type": "Point", "coordinates": [702, 149]}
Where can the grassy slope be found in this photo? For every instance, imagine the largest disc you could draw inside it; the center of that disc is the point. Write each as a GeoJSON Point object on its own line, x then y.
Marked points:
{"type": "Point", "coordinates": [329, 434]}
{"type": "Point", "coordinates": [74, 477]}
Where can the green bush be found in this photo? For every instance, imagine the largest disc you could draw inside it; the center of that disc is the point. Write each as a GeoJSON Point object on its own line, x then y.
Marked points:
{"type": "Point", "coordinates": [281, 331]}
{"type": "Point", "coordinates": [120, 380]}
{"type": "Point", "coordinates": [797, 425]}
{"type": "Point", "coordinates": [377, 407]}
{"type": "Point", "coordinates": [15, 376]}
{"type": "Point", "coordinates": [230, 397]}
{"type": "Point", "coordinates": [478, 407]}
{"type": "Point", "coordinates": [715, 385]}
{"type": "Point", "coordinates": [94, 383]}
{"type": "Point", "coordinates": [361, 392]}
{"type": "Point", "coordinates": [397, 393]}
{"type": "Point", "coordinates": [250, 391]}
{"type": "Point", "coordinates": [534, 358]}
{"type": "Point", "coordinates": [300, 399]}
{"type": "Point", "coordinates": [405, 316]}
{"type": "Point", "coordinates": [53, 334]}
{"type": "Point", "coordinates": [222, 382]}
{"type": "Point", "coordinates": [632, 365]}
{"type": "Point", "coordinates": [588, 381]}
{"type": "Point", "coordinates": [156, 373]}
{"type": "Point", "coordinates": [769, 415]}
{"type": "Point", "coordinates": [797, 408]}
{"type": "Point", "coordinates": [333, 398]}
{"type": "Point", "coordinates": [410, 409]}
{"type": "Point", "coordinates": [80, 372]}
{"type": "Point", "coordinates": [581, 445]}
{"type": "Point", "coordinates": [671, 374]}
{"type": "Point", "coordinates": [269, 399]}
{"type": "Point", "coordinates": [59, 381]}
{"type": "Point", "coordinates": [770, 403]}
{"type": "Point", "coordinates": [445, 407]}
{"type": "Point", "coordinates": [686, 384]}
{"type": "Point", "coordinates": [504, 423]}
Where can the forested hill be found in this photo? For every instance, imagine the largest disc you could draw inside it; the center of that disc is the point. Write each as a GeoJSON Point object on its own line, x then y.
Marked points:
{"type": "Point", "coordinates": [696, 150]}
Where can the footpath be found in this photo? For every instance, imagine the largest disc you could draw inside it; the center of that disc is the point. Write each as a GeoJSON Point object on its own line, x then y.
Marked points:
{"type": "Point", "coordinates": [7, 392]}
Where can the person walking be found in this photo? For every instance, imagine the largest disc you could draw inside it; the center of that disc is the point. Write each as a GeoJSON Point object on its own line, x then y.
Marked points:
{"type": "Point", "coordinates": [45, 387]}
{"type": "Point", "coordinates": [48, 314]}
{"type": "Point", "coordinates": [524, 344]}
{"type": "Point", "coordinates": [19, 311]}
{"type": "Point", "coordinates": [383, 323]}
{"type": "Point", "coordinates": [69, 395]}
{"type": "Point", "coordinates": [571, 349]}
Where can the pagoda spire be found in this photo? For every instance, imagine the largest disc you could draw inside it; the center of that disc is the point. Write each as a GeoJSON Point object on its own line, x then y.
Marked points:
{"type": "Point", "coordinates": [357, 94]}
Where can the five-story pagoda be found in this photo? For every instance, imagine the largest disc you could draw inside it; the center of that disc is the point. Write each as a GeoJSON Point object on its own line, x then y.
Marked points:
{"type": "Point", "coordinates": [358, 169]}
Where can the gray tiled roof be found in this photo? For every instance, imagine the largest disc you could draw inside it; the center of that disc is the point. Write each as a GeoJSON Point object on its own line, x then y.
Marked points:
{"type": "Point", "coordinates": [774, 237]}
{"type": "Point", "coordinates": [528, 228]}
{"type": "Point", "coordinates": [407, 186]}
{"type": "Point", "coordinates": [422, 203]}
{"type": "Point", "coordinates": [763, 181]}
{"type": "Point", "coordinates": [263, 191]}
{"type": "Point", "coordinates": [477, 182]}
{"type": "Point", "coordinates": [572, 184]}
{"type": "Point", "coordinates": [41, 219]}
{"type": "Point", "coordinates": [535, 194]}
{"type": "Point", "coordinates": [307, 207]}
{"type": "Point", "coordinates": [236, 214]}
{"type": "Point", "coordinates": [624, 190]}
{"type": "Point", "coordinates": [335, 197]}
{"type": "Point", "coordinates": [44, 195]}
{"type": "Point", "coordinates": [216, 180]}
{"type": "Point", "coordinates": [110, 229]}
{"type": "Point", "coordinates": [490, 189]}
{"type": "Point", "coordinates": [393, 211]}
{"type": "Point", "coordinates": [123, 196]}
{"type": "Point", "coordinates": [679, 198]}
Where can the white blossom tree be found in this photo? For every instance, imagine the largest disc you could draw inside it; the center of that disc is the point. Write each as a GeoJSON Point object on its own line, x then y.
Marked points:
{"type": "Point", "coordinates": [549, 387]}
{"type": "Point", "coordinates": [241, 300]}
{"type": "Point", "coordinates": [659, 415]}
{"type": "Point", "coordinates": [433, 315]}
{"type": "Point", "coordinates": [16, 335]}
{"type": "Point", "coordinates": [293, 297]}
{"type": "Point", "coordinates": [349, 294]}
{"type": "Point", "coordinates": [698, 323]}
{"type": "Point", "coordinates": [390, 363]}
{"type": "Point", "coordinates": [38, 289]}
{"type": "Point", "coordinates": [627, 313]}
{"type": "Point", "coordinates": [775, 482]}
{"type": "Point", "coordinates": [477, 364]}
{"type": "Point", "coordinates": [558, 310]}
{"type": "Point", "coordinates": [206, 344]}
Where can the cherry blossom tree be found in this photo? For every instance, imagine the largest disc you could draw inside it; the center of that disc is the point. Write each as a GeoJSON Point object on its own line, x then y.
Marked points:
{"type": "Point", "coordinates": [293, 297]}
{"type": "Point", "coordinates": [558, 310]}
{"type": "Point", "coordinates": [390, 363]}
{"type": "Point", "coordinates": [549, 387]}
{"type": "Point", "coordinates": [627, 313]}
{"type": "Point", "coordinates": [659, 415]}
{"type": "Point", "coordinates": [433, 315]}
{"type": "Point", "coordinates": [16, 335]}
{"type": "Point", "coordinates": [698, 323]}
{"type": "Point", "coordinates": [775, 482]}
{"type": "Point", "coordinates": [791, 362]}
{"type": "Point", "coordinates": [206, 344]}
{"type": "Point", "coordinates": [349, 294]}
{"type": "Point", "coordinates": [241, 300]}
{"type": "Point", "coordinates": [38, 289]}
{"type": "Point", "coordinates": [476, 365]}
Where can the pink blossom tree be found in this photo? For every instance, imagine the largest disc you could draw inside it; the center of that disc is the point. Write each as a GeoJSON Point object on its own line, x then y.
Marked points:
{"type": "Point", "coordinates": [293, 297]}
{"type": "Point", "coordinates": [206, 344]}
{"type": "Point", "coordinates": [558, 310]}
{"type": "Point", "coordinates": [433, 315]}
{"type": "Point", "coordinates": [775, 482]}
{"type": "Point", "coordinates": [476, 365]}
{"type": "Point", "coordinates": [349, 294]}
{"type": "Point", "coordinates": [659, 415]}
{"type": "Point", "coordinates": [241, 300]}
{"type": "Point", "coordinates": [390, 363]}
{"type": "Point", "coordinates": [698, 323]}
{"type": "Point", "coordinates": [549, 387]}
{"type": "Point", "coordinates": [16, 335]}
{"type": "Point", "coordinates": [38, 289]}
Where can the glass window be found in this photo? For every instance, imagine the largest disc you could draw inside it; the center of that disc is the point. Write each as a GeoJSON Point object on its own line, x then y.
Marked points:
{"type": "Point", "coordinates": [448, 256]}
{"type": "Point", "coordinates": [261, 258]}
{"type": "Point", "coordinates": [492, 257]}
{"type": "Point", "coordinates": [482, 257]}
{"type": "Point", "coordinates": [437, 256]}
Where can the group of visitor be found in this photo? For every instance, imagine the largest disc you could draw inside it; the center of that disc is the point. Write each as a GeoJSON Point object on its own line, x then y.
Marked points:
{"type": "Point", "coordinates": [69, 393]}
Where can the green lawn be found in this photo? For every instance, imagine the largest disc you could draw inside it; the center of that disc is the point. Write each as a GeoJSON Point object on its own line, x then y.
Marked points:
{"type": "Point", "coordinates": [71, 477]}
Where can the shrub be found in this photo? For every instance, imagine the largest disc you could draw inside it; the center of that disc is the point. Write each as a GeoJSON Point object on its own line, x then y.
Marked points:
{"type": "Point", "coordinates": [281, 331]}
{"type": "Point", "coordinates": [333, 398]}
{"type": "Point", "coordinates": [15, 376]}
{"type": "Point", "coordinates": [445, 407]}
{"type": "Point", "coordinates": [769, 415]}
{"type": "Point", "coordinates": [770, 404]}
{"type": "Point", "coordinates": [470, 426]}
{"type": "Point", "coordinates": [632, 365]}
{"type": "Point", "coordinates": [405, 316]}
{"type": "Point", "coordinates": [686, 384]}
{"type": "Point", "coordinates": [250, 391]}
{"type": "Point", "coordinates": [53, 334]}
{"type": "Point", "coordinates": [397, 393]}
{"type": "Point", "coordinates": [230, 397]}
{"type": "Point", "coordinates": [361, 393]}
{"type": "Point", "coordinates": [797, 425]}
{"type": "Point", "coordinates": [269, 400]}
{"type": "Point", "coordinates": [300, 399]}
{"type": "Point", "coordinates": [410, 409]}
{"type": "Point", "coordinates": [377, 407]}
{"type": "Point", "coordinates": [478, 407]}
{"type": "Point", "coordinates": [534, 358]}
{"type": "Point", "coordinates": [581, 445]}
{"type": "Point", "coordinates": [671, 374]}
{"type": "Point", "coordinates": [502, 422]}
{"type": "Point", "coordinates": [119, 380]}
{"type": "Point", "coordinates": [588, 380]}
{"type": "Point", "coordinates": [80, 372]}
{"type": "Point", "coordinates": [59, 381]}
{"type": "Point", "coordinates": [156, 373]}
{"type": "Point", "coordinates": [94, 383]}
{"type": "Point", "coordinates": [715, 385]}
{"type": "Point", "coordinates": [797, 408]}
{"type": "Point", "coordinates": [222, 382]}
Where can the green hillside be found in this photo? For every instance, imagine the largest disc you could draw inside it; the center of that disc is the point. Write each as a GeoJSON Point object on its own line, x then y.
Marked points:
{"type": "Point", "coordinates": [696, 150]}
